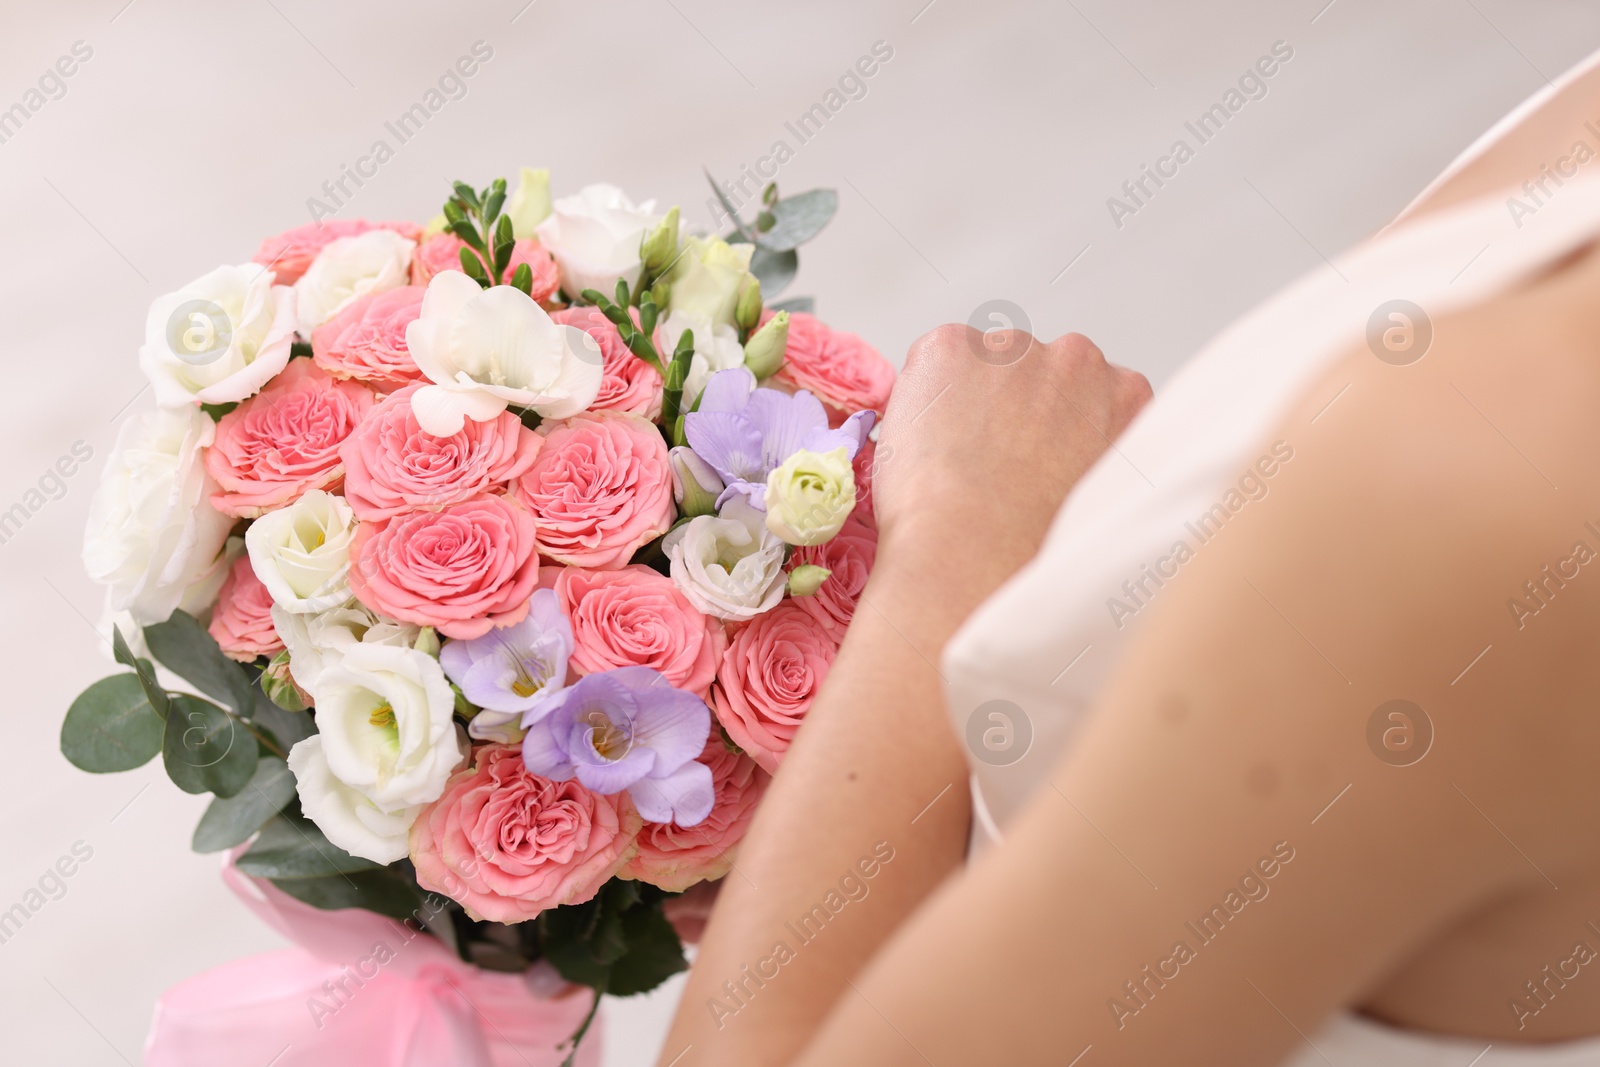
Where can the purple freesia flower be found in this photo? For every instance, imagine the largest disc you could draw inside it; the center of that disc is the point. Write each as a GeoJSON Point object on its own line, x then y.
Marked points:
{"type": "Point", "coordinates": [512, 672]}
{"type": "Point", "coordinates": [745, 433]}
{"type": "Point", "coordinates": [627, 729]}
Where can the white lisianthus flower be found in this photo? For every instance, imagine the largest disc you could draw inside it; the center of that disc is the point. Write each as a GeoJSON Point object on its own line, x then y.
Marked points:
{"type": "Point", "coordinates": [716, 347]}
{"type": "Point", "coordinates": [347, 268]}
{"type": "Point", "coordinates": [488, 349]}
{"type": "Point", "coordinates": [219, 339]}
{"type": "Point", "coordinates": [386, 739]}
{"type": "Point", "coordinates": [810, 495]}
{"type": "Point", "coordinates": [709, 277]}
{"type": "Point", "coordinates": [301, 553]}
{"type": "Point", "coordinates": [345, 815]}
{"type": "Point", "coordinates": [153, 537]}
{"type": "Point", "coordinates": [320, 640]}
{"type": "Point", "coordinates": [594, 236]}
{"type": "Point", "coordinates": [728, 565]}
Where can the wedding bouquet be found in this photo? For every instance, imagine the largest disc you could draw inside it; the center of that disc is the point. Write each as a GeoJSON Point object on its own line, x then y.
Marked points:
{"type": "Point", "coordinates": [501, 556]}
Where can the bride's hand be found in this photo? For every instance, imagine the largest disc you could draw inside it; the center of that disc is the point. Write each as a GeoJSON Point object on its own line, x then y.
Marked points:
{"type": "Point", "coordinates": [980, 445]}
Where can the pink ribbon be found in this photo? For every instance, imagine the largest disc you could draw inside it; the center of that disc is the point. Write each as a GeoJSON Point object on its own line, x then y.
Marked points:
{"type": "Point", "coordinates": [360, 989]}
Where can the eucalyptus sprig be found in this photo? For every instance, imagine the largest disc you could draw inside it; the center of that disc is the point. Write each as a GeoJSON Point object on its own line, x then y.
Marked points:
{"type": "Point", "coordinates": [475, 216]}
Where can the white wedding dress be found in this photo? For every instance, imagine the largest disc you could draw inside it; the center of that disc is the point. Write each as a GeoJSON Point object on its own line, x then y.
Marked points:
{"type": "Point", "coordinates": [1047, 640]}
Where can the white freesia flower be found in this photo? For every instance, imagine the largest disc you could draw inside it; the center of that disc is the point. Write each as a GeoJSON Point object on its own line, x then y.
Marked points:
{"type": "Point", "coordinates": [219, 339]}
{"type": "Point", "coordinates": [386, 740]}
{"type": "Point", "coordinates": [345, 815]}
{"type": "Point", "coordinates": [153, 537]}
{"type": "Point", "coordinates": [319, 640]}
{"type": "Point", "coordinates": [529, 203]}
{"type": "Point", "coordinates": [810, 495]}
{"type": "Point", "coordinates": [708, 278]}
{"type": "Point", "coordinates": [301, 553]}
{"type": "Point", "coordinates": [488, 349]}
{"type": "Point", "coordinates": [728, 565]}
{"type": "Point", "coordinates": [716, 347]}
{"type": "Point", "coordinates": [594, 236]}
{"type": "Point", "coordinates": [347, 268]}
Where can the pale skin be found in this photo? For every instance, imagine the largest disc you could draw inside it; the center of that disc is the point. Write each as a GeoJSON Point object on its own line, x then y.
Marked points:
{"type": "Point", "coordinates": [1426, 896]}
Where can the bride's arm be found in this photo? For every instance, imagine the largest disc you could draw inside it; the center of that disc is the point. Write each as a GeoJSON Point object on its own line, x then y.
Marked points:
{"type": "Point", "coordinates": [870, 808]}
{"type": "Point", "coordinates": [1231, 752]}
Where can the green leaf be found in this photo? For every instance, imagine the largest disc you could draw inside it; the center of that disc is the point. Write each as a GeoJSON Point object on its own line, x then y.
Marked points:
{"type": "Point", "coordinates": [111, 727]}
{"type": "Point", "coordinates": [381, 890]}
{"type": "Point", "coordinates": [522, 278]}
{"type": "Point", "coordinates": [286, 727]}
{"type": "Point", "coordinates": [654, 953]}
{"type": "Point", "coordinates": [143, 671]}
{"type": "Point", "coordinates": [474, 268]}
{"type": "Point", "coordinates": [468, 233]}
{"type": "Point", "coordinates": [799, 218]}
{"type": "Point", "coordinates": [216, 411]}
{"type": "Point", "coordinates": [618, 942]}
{"type": "Point", "coordinates": [231, 820]}
{"type": "Point", "coordinates": [468, 195]}
{"type": "Point", "coordinates": [795, 303]}
{"type": "Point", "coordinates": [775, 270]}
{"type": "Point", "coordinates": [733, 212]}
{"type": "Point", "coordinates": [497, 196]}
{"type": "Point", "coordinates": [294, 848]}
{"type": "Point", "coordinates": [206, 750]}
{"type": "Point", "coordinates": [504, 242]}
{"type": "Point", "coordinates": [186, 649]}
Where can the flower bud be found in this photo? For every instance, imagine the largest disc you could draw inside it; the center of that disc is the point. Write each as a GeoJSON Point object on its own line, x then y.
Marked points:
{"type": "Point", "coordinates": [530, 202]}
{"type": "Point", "coordinates": [763, 353]}
{"type": "Point", "coordinates": [810, 496]}
{"type": "Point", "coordinates": [747, 312]}
{"type": "Point", "coordinates": [806, 579]}
{"type": "Point", "coordinates": [280, 687]}
{"type": "Point", "coordinates": [695, 486]}
{"type": "Point", "coordinates": [427, 641]}
{"type": "Point", "coordinates": [660, 244]}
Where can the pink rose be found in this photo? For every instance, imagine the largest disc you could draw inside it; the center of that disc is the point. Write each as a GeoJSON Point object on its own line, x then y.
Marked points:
{"type": "Point", "coordinates": [463, 570]}
{"type": "Point", "coordinates": [367, 340]}
{"type": "Point", "coordinates": [635, 617]}
{"type": "Point", "coordinates": [600, 488]}
{"type": "Point", "coordinates": [630, 384]}
{"type": "Point", "coordinates": [849, 556]}
{"type": "Point", "coordinates": [442, 251]}
{"type": "Point", "coordinates": [391, 465]}
{"type": "Point", "coordinates": [273, 448]}
{"type": "Point", "coordinates": [772, 669]}
{"type": "Point", "coordinates": [507, 844]}
{"type": "Point", "coordinates": [839, 369]}
{"type": "Point", "coordinates": [289, 253]}
{"type": "Point", "coordinates": [241, 621]}
{"type": "Point", "coordinates": [675, 858]}
{"type": "Point", "coordinates": [866, 466]}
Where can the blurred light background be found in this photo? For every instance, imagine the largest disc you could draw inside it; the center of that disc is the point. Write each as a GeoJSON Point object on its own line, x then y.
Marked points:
{"type": "Point", "coordinates": [976, 164]}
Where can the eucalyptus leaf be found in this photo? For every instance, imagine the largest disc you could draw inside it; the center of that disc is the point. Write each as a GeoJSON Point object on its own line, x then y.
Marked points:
{"type": "Point", "coordinates": [381, 890]}
{"type": "Point", "coordinates": [188, 650]}
{"type": "Point", "coordinates": [733, 212]}
{"type": "Point", "coordinates": [797, 219]}
{"type": "Point", "coordinates": [111, 727]}
{"type": "Point", "coordinates": [142, 670]}
{"type": "Point", "coordinates": [231, 820]}
{"type": "Point", "coordinates": [206, 750]}
{"type": "Point", "coordinates": [775, 270]}
{"type": "Point", "coordinates": [805, 304]}
{"type": "Point", "coordinates": [295, 848]}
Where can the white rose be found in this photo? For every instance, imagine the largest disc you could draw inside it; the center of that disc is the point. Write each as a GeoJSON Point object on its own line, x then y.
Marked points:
{"type": "Point", "coordinates": [347, 268]}
{"type": "Point", "coordinates": [386, 733]}
{"type": "Point", "coordinates": [153, 536]}
{"type": "Point", "coordinates": [727, 565]}
{"type": "Point", "coordinates": [319, 640]}
{"type": "Point", "coordinates": [488, 349]}
{"type": "Point", "coordinates": [716, 347]}
{"type": "Point", "coordinates": [301, 553]}
{"type": "Point", "coordinates": [219, 339]}
{"type": "Point", "coordinates": [345, 815]}
{"type": "Point", "coordinates": [810, 495]}
{"type": "Point", "coordinates": [708, 278]}
{"type": "Point", "coordinates": [594, 236]}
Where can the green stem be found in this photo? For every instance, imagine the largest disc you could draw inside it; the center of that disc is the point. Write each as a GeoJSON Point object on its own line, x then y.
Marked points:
{"type": "Point", "coordinates": [583, 1029]}
{"type": "Point", "coordinates": [261, 739]}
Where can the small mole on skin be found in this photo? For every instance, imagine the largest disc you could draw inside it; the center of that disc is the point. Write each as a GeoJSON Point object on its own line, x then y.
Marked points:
{"type": "Point", "coordinates": [850, 777]}
{"type": "Point", "coordinates": [1173, 709]}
